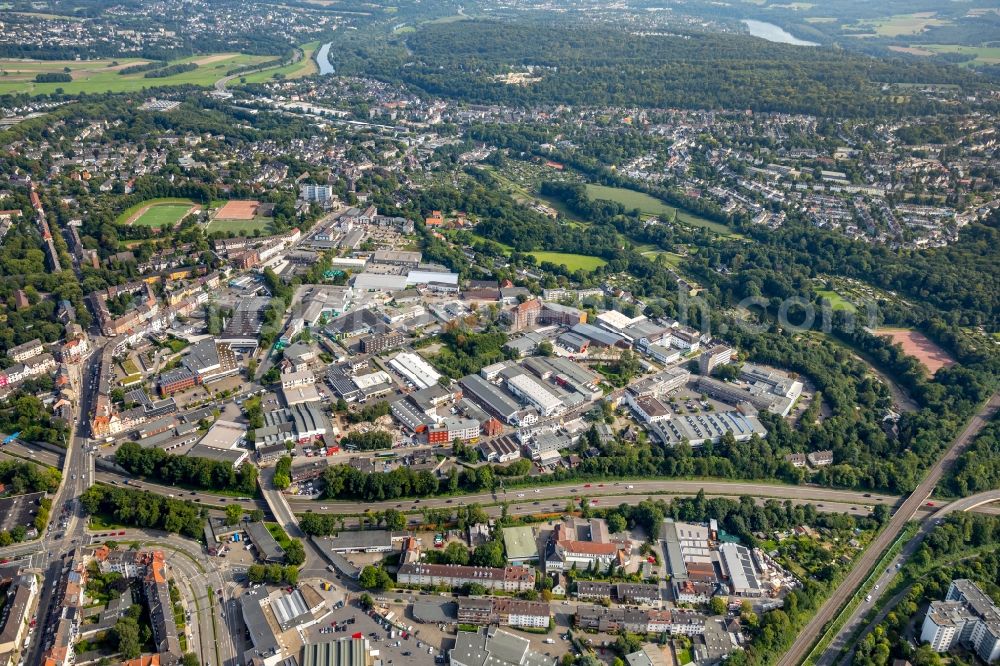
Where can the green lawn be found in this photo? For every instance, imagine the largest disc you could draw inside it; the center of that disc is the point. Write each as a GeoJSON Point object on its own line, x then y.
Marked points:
{"type": "Point", "coordinates": [651, 206]}
{"type": "Point", "coordinates": [837, 302]}
{"type": "Point", "coordinates": [295, 70]}
{"type": "Point", "coordinates": [156, 203]}
{"type": "Point", "coordinates": [103, 522]}
{"type": "Point", "coordinates": [240, 227]}
{"type": "Point", "coordinates": [572, 261]}
{"type": "Point", "coordinates": [279, 534]}
{"type": "Point", "coordinates": [99, 76]}
{"type": "Point", "coordinates": [163, 216]}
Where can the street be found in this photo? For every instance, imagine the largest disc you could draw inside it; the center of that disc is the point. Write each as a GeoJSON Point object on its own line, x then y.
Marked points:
{"type": "Point", "coordinates": [800, 649]}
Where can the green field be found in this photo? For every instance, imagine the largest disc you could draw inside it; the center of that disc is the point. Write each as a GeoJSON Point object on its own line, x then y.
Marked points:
{"type": "Point", "coordinates": [902, 24]}
{"type": "Point", "coordinates": [837, 302]}
{"type": "Point", "coordinates": [651, 206]}
{"type": "Point", "coordinates": [239, 227]}
{"type": "Point", "coordinates": [295, 70]}
{"type": "Point", "coordinates": [98, 76]}
{"type": "Point", "coordinates": [156, 204]}
{"type": "Point", "coordinates": [985, 55]}
{"type": "Point", "coordinates": [572, 261]}
{"type": "Point", "coordinates": [163, 216]}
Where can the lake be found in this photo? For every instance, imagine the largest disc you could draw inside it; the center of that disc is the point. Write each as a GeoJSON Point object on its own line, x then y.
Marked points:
{"type": "Point", "coordinates": [773, 33]}
{"type": "Point", "coordinates": [323, 59]}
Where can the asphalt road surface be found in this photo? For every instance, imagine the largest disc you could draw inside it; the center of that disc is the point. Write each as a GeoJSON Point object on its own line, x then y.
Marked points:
{"type": "Point", "coordinates": [58, 540]}
{"type": "Point", "coordinates": [859, 572]}
{"type": "Point", "coordinates": [843, 640]}
{"type": "Point", "coordinates": [641, 489]}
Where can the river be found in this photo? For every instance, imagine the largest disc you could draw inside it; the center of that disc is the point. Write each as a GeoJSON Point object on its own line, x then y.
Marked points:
{"type": "Point", "coordinates": [323, 59]}
{"type": "Point", "coordinates": [773, 33]}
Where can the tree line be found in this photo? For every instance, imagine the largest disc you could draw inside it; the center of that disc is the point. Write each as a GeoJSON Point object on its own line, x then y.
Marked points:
{"type": "Point", "coordinates": [143, 509]}
{"type": "Point", "coordinates": [172, 469]}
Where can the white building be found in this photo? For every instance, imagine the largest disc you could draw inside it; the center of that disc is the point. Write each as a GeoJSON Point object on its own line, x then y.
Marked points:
{"type": "Point", "coordinates": [968, 617]}
{"type": "Point", "coordinates": [415, 369]}
{"type": "Point", "coordinates": [319, 193]}
{"type": "Point", "coordinates": [536, 395]}
{"type": "Point", "coordinates": [739, 566]}
{"type": "Point", "coordinates": [300, 378]}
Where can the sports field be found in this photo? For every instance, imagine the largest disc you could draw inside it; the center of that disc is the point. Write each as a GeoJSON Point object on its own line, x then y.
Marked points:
{"type": "Point", "coordinates": [238, 209]}
{"type": "Point", "coordinates": [99, 76]}
{"type": "Point", "coordinates": [239, 227]}
{"type": "Point", "coordinates": [572, 261]}
{"type": "Point", "coordinates": [164, 216]}
{"type": "Point", "coordinates": [651, 206]}
{"type": "Point", "coordinates": [157, 213]}
{"type": "Point", "coordinates": [919, 346]}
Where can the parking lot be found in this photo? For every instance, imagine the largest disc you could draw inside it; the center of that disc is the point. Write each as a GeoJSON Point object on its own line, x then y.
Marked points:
{"type": "Point", "coordinates": [409, 651]}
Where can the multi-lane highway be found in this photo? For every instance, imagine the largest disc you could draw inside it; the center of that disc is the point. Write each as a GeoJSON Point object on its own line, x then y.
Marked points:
{"type": "Point", "coordinates": [856, 577]}
{"type": "Point", "coordinates": [592, 490]}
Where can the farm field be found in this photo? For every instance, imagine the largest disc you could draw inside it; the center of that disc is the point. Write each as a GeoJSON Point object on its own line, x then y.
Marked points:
{"type": "Point", "coordinates": [295, 70]}
{"type": "Point", "coordinates": [156, 213]}
{"type": "Point", "coordinates": [985, 55]}
{"type": "Point", "coordinates": [572, 261]}
{"type": "Point", "coordinates": [99, 76]}
{"type": "Point", "coordinates": [651, 206]}
{"type": "Point", "coordinates": [919, 346]}
{"type": "Point", "coordinates": [902, 24]}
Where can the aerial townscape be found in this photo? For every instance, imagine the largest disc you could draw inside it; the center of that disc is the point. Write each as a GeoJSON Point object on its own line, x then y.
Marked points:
{"type": "Point", "coordinates": [533, 333]}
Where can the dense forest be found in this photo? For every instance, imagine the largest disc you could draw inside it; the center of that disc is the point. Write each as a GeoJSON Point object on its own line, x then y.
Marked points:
{"type": "Point", "coordinates": [978, 468]}
{"type": "Point", "coordinates": [577, 64]}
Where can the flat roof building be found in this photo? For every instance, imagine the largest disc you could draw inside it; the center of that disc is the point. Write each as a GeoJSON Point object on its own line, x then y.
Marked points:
{"type": "Point", "coordinates": [342, 652]}
{"type": "Point", "coordinates": [520, 545]}
{"type": "Point", "coordinates": [535, 395]}
{"type": "Point", "coordinates": [364, 541]}
{"type": "Point", "coordinates": [494, 647]}
{"type": "Point", "coordinates": [738, 565]}
{"type": "Point", "coordinates": [268, 548]}
{"type": "Point", "coordinates": [266, 647]}
{"type": "Point", "coordinates": [412, 366]}
{"type": "Point", "coordinates": [490, 398]}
